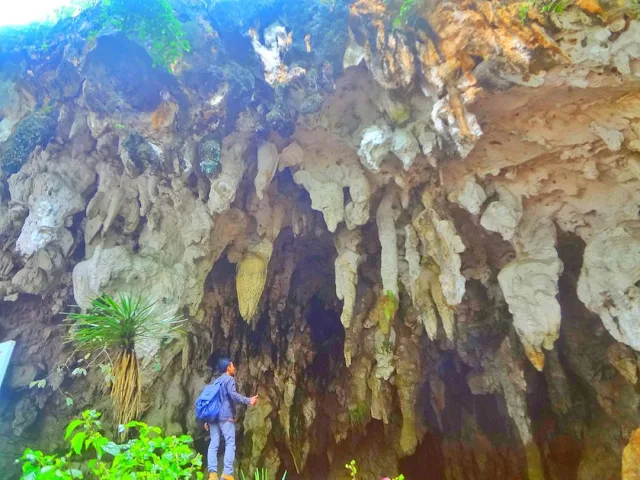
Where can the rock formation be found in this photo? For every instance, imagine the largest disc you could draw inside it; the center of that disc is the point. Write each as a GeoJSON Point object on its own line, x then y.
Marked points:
{"type": "Point", "coordinates": [418, 237]}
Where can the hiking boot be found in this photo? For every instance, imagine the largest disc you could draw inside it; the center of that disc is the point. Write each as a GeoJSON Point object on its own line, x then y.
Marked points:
{"type": "Point", "coordinates": [227, 477]}
{"type": "Point", "coordinates": [213, 476]}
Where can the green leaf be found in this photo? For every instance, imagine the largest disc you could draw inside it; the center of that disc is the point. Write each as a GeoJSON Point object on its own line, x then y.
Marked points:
{"type": "Point", "coordinates": [77, 441]}
{"type": "Point", "coordinates": [75, 473]}
{"type": "Point", "coordinates": [33, 384]}
{"type": "Point", "coordinates": [69, 401]}
{"type": "Point", "coordinates": [78, 371]}
{"type": "Point", "coordinates": [111, 448]}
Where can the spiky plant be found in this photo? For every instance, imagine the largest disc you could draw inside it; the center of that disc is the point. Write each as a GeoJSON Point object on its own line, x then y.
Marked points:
{"type": "Point", "coordinates": [117, 327]}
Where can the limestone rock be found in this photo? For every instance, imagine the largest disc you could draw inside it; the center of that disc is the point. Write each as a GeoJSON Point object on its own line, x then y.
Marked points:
{"type": "Point", "coordinates": [530, 287]}
{"type": "Point", "coordinates": [441, 243]}
{"type": "Point", "coordinates": [471, 197]}
{"type": "Point", "coordinates": [407, 381]}
{"type": "Point", "coordinates": [52, 202]}
{"type": "Point", "coordinates": [139, 155]}
{"type": "Point", "coordinates": [608, 278]}
{"type": "Point", "coordinates": [36, 130]}
{"type": "Point", "coordinates": [267, 165]}
{"type": "Point", "coordinates": [325, 186]}
{"type": "Point", "coordinates": [225, 185]}
{"type": "Point", "coordinates": [346, 266]}
{"type": "Point", "coordinates": [386, 216]}
{"type": "Point", "coordinates": [291, 155]}
{"type": "Point", "coordinates": [251, 277]}
{"type": "Point", "coordinates": [624, 360]}
{"type": "Point", "coordinates": [15, 104]}
{"type": "Point", "coordinates": [631, 457]}
{"type": "Point", "coordinates": [276, 42]}
{"type": "Point", "coordinates": [405, 146]}
{"type": "Point", "coordinates": [503, 216]}
{"type": "Point", "coordinates": [384, 355]}
{"type": "Point", "coordinates": [209, 156]}
{"type": "Point", "coordinates": [258, 425]}
{"type": "Point", "coordinates": [376, 143]}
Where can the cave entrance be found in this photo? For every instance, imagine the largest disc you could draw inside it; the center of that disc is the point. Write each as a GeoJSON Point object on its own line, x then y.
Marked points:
{"type": "Point", "coordinates": [327, 334]}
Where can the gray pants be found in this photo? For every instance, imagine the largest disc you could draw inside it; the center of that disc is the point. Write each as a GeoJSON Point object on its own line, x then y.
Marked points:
{"type": "Point", "coordinates": [227, 430]}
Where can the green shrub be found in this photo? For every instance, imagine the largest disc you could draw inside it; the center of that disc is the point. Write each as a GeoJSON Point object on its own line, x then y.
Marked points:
{"type": "Point", "coordinates": [352, 467]}
{"type": "Point", "coordinates": [544, 6]}
{"type": "Point", "coordinates": [94, 456]}
{"type": "Point", "coordinates": [260, 474]}
{"type": "Point", "coordinates": [407, 7]}
{"type": "Point", "coordinates": [152, 22]}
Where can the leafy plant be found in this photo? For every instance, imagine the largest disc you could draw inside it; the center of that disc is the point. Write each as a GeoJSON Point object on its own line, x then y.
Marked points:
{"type": "Point", "coordinates": [92, 455]}
{"type": "Point", "coordinates": [117, 326]}
{"type": "Point", "coordinates": [261, 474]}
{"type": "Point", "coordinates": [387, 346]}
{"type": "Point", "coordinates": [544, 6]}
{"type": "Point", "coordinates": [353, 472]}
{"type": "Point", "coordinates": [405, 9]}
{"type": "Point", "coordinates": [357, 416]}
{"type": "Point", "coordinates": [353, 469]}
{"type": "Point", "coordinates": [152, 22]}
{"type": "Point", "coordinates": [82, 365]}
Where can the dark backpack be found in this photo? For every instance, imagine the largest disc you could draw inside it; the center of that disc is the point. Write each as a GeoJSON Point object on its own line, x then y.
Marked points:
{"type": "Point", "coordinates": [209, 402]}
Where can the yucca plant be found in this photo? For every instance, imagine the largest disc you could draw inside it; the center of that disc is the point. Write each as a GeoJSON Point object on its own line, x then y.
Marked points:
{"type": "Point", "coordinates": [116, 327]}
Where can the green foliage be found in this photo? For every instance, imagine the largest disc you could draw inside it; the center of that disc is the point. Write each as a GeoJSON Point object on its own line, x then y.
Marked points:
{"type": "Point", "coordinates": [544, 6]}
{"type": "Point", "coordinates": [38, 383]}
{"type": "Point", "coordinates": [390, 305]}
{"type": "Point", "coordinates": [405, 9]}
{"type": "Point", "coordinates": [353, 471]}
{"type": "Point", "coordinates": [121, 324]}
{"type": "Point", "coordinates": [152, 22]}
{"type": "Point", "coordinates": [260, 474]}
{"type": "Point", "coordinates": [94, 456]}
{"type": "Point", "coordinates": [387, 346]}
{"type": "Point", "coordinates": [358, 415]}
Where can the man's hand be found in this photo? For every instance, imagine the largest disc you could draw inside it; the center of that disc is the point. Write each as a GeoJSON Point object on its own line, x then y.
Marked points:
{"type": "Point", "coordinates": [254, 401]}
{"type": "Point", "coordinates": [206, 427]}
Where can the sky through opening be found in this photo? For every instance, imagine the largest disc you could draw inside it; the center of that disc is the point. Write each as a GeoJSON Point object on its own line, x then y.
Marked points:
{"type": "Point", "coordinates": [16, 13]}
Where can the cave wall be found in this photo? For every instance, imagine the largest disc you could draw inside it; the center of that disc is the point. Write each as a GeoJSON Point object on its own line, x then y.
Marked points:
{"type": "Point", "coordinates": [420, 244]}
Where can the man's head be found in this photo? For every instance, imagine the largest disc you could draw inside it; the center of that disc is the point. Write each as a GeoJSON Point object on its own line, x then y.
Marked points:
{"type": "Point", "coordinates": [225, 365]}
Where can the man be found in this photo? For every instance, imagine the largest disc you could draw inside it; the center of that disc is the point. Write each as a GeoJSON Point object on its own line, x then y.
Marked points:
{"type": "Point", "coordinates": [225, 425]}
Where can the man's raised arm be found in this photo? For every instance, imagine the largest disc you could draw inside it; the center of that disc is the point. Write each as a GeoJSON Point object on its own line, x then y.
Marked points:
{"type": "Point", "coordinates": [235, 396]}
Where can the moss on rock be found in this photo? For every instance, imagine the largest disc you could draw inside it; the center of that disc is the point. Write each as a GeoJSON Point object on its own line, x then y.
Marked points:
{"type": "Point", "coordinates": [209, 156]}
{"type": "Point", "coordinates": [36, 130]}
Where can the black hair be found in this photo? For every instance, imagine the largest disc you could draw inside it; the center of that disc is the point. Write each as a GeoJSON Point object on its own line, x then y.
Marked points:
{"type": "Point", "coordinates": [223, 363]}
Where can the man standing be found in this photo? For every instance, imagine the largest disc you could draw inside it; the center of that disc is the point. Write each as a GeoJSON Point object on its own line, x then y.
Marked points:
{"type": "Point", "coordinates": [225, 425]}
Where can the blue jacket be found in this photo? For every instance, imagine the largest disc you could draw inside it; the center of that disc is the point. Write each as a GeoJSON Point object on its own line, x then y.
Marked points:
{"type": "Point", "coordinates": [229, 398]}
